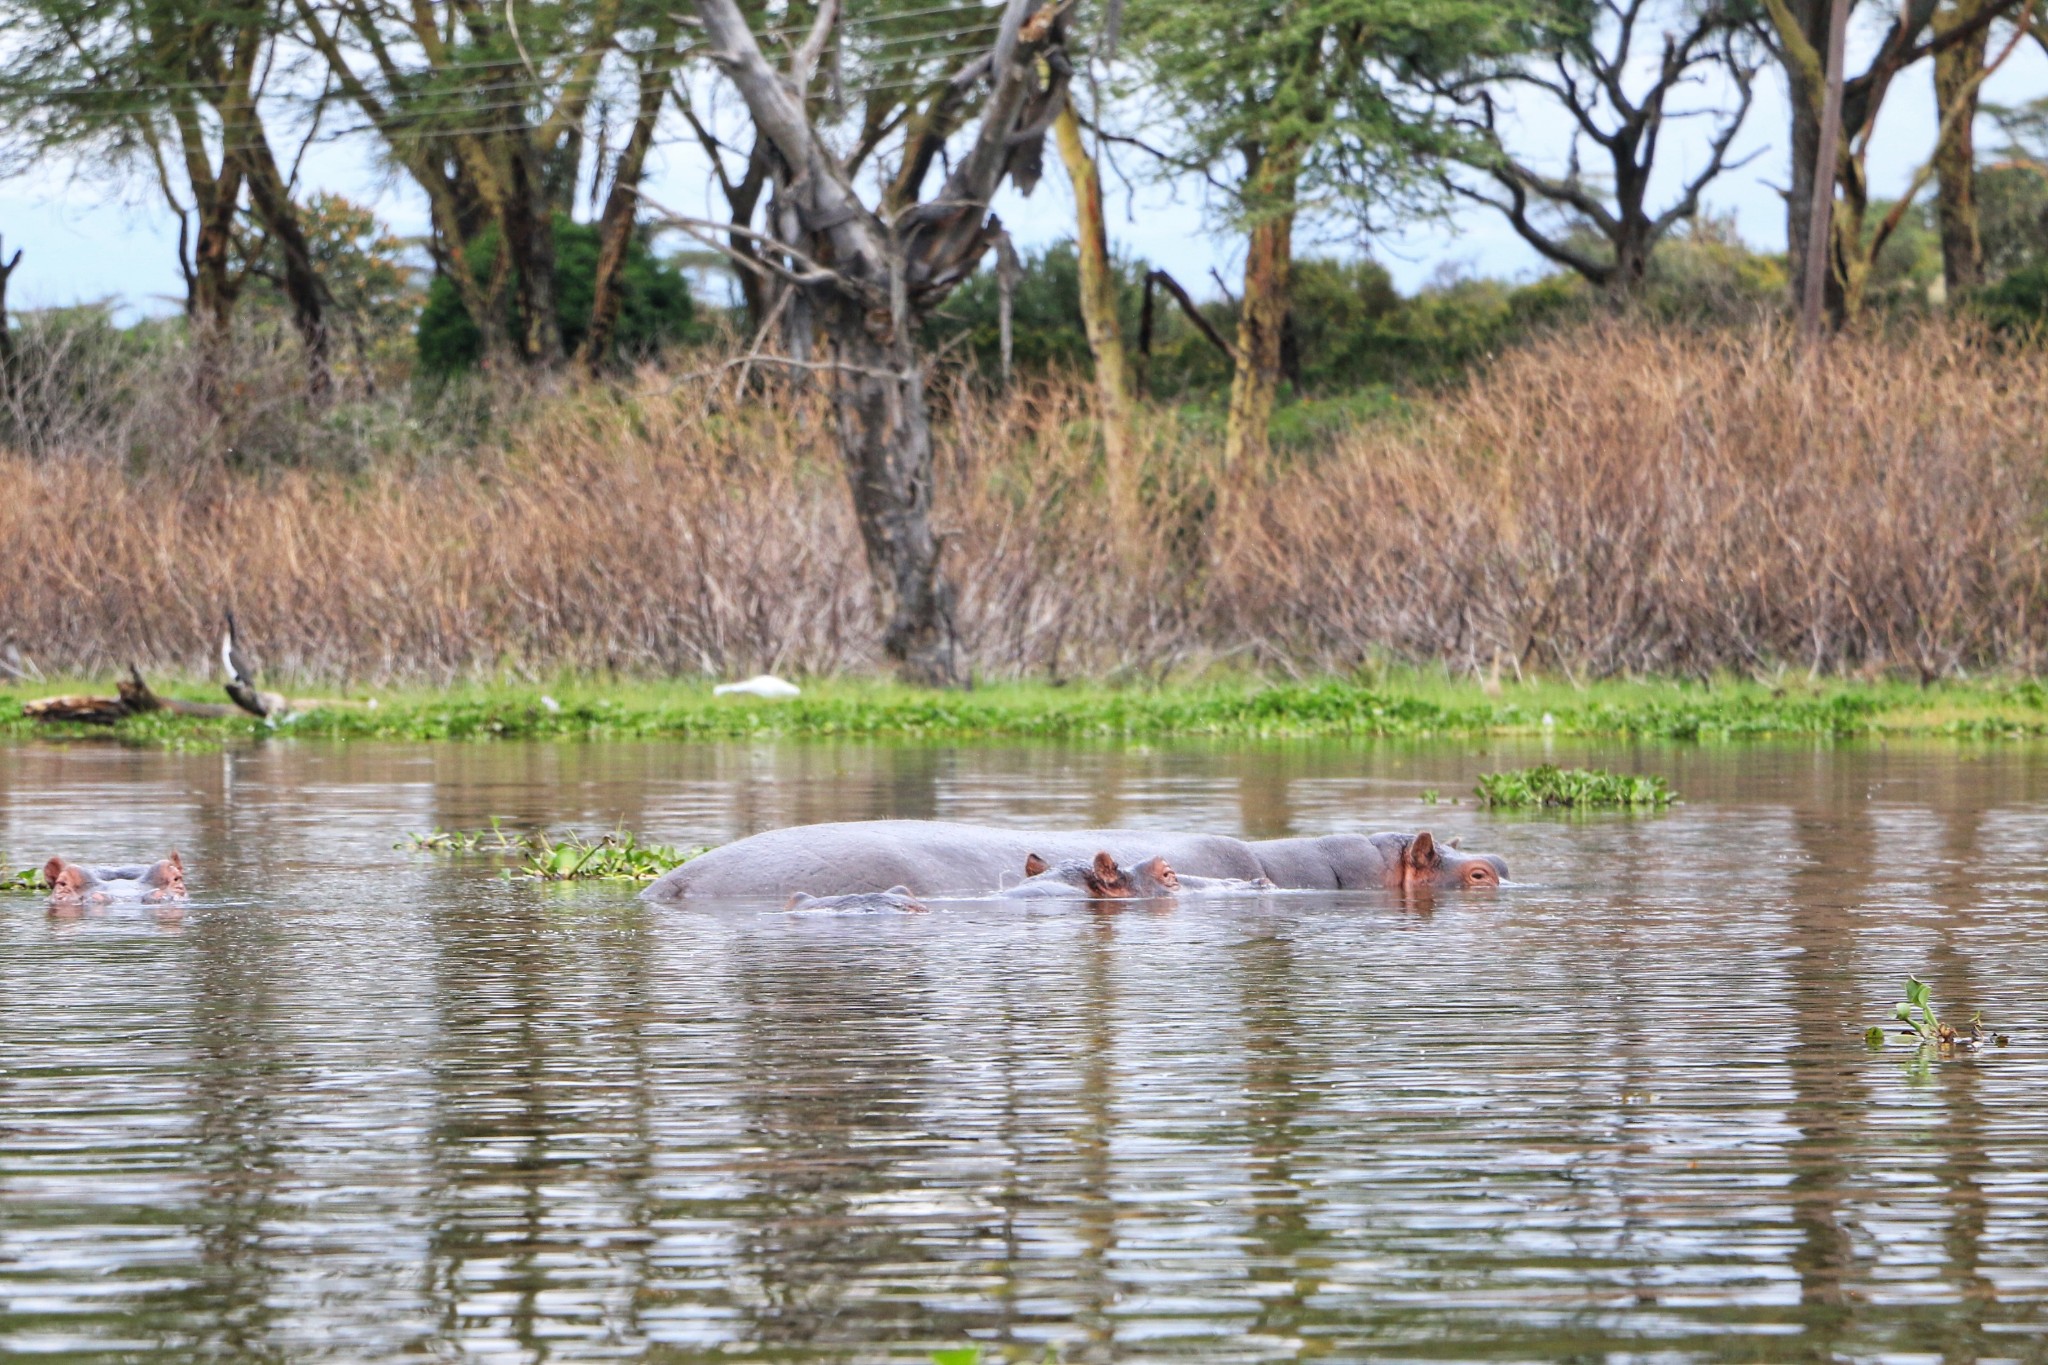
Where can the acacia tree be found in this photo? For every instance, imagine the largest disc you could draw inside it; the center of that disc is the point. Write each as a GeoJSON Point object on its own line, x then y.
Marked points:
{"type": "Point", "coordinates": [1585, 61]}
{"type": "Point", "coordinates": [1303, 106]}
{"type": "Point", "coordinates": [884, 90]}
{"type": "Point", "coordinates": [485, 108]}
{"type": "Point", "coordinates": [1797, 31]}
{"type": "Point", "coordinates": [173, 87]}
{"type": "Point", "coordinates": [871, 274]}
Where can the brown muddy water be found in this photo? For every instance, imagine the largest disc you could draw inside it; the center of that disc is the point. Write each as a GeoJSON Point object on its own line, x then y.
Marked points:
{"type": "Point", "coordinates": [359, 1104]}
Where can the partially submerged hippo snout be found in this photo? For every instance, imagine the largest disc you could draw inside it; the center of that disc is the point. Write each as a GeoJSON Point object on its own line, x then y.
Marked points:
{"type": "Point", "coordinates": [1100, 878]}
{"type": "Point", "coordinates": [1443, 867]}
{"type": "Point", "coordinates": [158, 883]}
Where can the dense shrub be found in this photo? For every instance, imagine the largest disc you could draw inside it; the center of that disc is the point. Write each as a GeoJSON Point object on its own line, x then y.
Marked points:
{"type": "Point", "coordinates": [657, 310]}
{"type": "Point", "coordinates": [1615, 497]}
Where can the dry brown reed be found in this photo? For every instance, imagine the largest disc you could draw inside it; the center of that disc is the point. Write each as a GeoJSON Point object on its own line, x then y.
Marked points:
{"type": "Point", "coordinates": [1610, 500]}
{"type": "Point", "coordinates": [1620, 500]}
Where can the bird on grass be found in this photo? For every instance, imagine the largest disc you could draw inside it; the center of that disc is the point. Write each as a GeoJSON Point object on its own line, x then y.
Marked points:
{"type": "Point", "coordinates": [241, 684]}
{"type": "Point", "coordinates": [760, 685]}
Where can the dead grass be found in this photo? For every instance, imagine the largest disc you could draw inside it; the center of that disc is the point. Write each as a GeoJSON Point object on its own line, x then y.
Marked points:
{"type": "Point", "coordinates": [1612, 500]}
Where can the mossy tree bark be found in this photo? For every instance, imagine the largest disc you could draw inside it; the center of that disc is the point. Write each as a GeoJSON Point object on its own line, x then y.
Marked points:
{"type": "Point", "coordinates": [1956, 83]}
{"type": "Point", "coordinates": [1262, 315]}
{"type": "Point", "coordinates": [1098, 314]}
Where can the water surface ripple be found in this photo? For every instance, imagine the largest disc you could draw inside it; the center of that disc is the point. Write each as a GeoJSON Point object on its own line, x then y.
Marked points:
{"type": "Point", "coordinates": [359, 1104]}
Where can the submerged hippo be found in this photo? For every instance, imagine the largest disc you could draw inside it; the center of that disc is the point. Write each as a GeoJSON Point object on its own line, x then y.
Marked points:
{"type": "Point", "coordinates": [896, 900]}
{"type": "Point", "coordinates": [1097, 878]}
{"type": "Point", "coordinates": [158, 883]}
{"type": "Point", "coordinates": [937, 858]}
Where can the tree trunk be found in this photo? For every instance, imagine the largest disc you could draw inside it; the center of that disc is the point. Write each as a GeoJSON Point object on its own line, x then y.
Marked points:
{"type": "Point", "coordinates": [212, 305]}
{"type": "Point", "coordinates": [875, 280]}
{"type": "Point", "coordinates": [622, 205]}
{"type": "Point", "coordinates": [1801, 30]}
{"type": "Point", "coordinates": [7, 265]}
{"type": "Point", "coordinates": [885, 441]}
{"type": "Point", "coordinates": [1262, 316]}
{"type": "Point", "coordinates": [1631, 262]}
{"type": "Point", "coordinates": [529, 234]}
{"type": "Point", "coordinates": [1098, 315]}
{"type": "Point", "coordinates": [1955, 165]}
{"type": "Point", "coordinates": [272, 202]}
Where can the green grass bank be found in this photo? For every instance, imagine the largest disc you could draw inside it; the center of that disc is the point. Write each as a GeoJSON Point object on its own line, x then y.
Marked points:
{"type": "Point", "coordinates": [1397, 705]}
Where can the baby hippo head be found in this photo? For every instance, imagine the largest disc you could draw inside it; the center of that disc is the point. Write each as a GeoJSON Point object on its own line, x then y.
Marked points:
{"type": "Point", "coordinates": [1103, 879]}
{"type": "Point", "coordinates": [1426, 863]}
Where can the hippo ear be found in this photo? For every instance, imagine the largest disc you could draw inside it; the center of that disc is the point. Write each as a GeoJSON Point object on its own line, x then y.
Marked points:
{"type": "Point", "coordinates": [52, 870]}
{"type": "Point", "coordinates": [175, 861]}
{"type": "Point", "coordinates": [1033, 864]}
{"type": "Point", "coordinates": [1422, 854]}
{"type": "Point", "coordinates": [1104, 876]}
{"type": "Point", "coordinates": [1456, 841]}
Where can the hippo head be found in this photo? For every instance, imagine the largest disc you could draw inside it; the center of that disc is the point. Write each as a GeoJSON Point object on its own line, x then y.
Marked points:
{"type": "Point", "coordinates": [165, 881]}
{"type": "Point", "coordinates": [1104, 879]}
{"type": "Point", "coordinates": [1442, 867]}
{"type": "Point", "coordinates": [69, 883]}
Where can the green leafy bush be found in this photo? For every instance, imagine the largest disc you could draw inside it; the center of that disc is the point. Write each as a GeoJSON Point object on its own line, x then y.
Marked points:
{"type": "Point", "coordinates": [657, 310]}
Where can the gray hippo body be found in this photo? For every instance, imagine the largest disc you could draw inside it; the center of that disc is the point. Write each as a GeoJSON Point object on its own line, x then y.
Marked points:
{"type": "Point", "coordinates": [938, 858]}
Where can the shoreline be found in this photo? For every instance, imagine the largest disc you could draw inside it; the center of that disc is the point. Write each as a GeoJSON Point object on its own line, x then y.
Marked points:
{"type": "Point", "coordinates": [1396, 706]}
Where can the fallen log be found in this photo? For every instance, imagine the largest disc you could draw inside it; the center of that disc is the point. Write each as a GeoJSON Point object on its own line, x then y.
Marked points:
{"type": "Point", "coordinates": [135, 699]}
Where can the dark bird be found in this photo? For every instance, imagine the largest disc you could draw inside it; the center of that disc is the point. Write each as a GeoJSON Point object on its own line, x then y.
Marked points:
{"type": "Point", "coordinates": [241, 684]}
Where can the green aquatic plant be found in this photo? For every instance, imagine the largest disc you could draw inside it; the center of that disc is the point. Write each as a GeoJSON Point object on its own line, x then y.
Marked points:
{"type": "Point", "coordinates": [1572, 789]}
{"type": "Point", "coordinates": [28, 881]}
{"type": "Point", "coordinates": [619, 856]}
{"type": "Point", "coordinates": [1924, 1026]}
{"type": "Point", "coordinates": [615, 857]}
{"type": "Point", "coordinates": [496, 839]}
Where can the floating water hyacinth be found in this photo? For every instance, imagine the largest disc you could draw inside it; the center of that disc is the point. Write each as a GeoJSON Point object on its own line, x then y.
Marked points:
{"type": "Point", "coordinates": [1573, 789]}
{"type": "Point", "coordinates": [1924, 1026]}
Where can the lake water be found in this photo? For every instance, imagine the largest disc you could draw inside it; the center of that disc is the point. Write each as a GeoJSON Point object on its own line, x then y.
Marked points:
{"type": "Point", "coordinates": [361, 1104]}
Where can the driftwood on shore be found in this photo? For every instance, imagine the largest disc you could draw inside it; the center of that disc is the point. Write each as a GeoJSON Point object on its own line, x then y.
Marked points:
{"type": "Point", "coordinates": [137, 699]}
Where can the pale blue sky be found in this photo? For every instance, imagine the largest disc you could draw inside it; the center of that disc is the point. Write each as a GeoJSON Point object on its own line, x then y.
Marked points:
{"type": "Point", "coordinates": [85, 238]}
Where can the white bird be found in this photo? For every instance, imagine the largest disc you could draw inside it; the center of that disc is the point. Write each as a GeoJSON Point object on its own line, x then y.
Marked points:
{"type": "Point", "coordinates": [760, 685]}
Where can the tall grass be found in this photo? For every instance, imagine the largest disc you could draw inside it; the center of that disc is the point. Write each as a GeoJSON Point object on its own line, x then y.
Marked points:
{"type": "Point", "coordinates": [1610, 499]}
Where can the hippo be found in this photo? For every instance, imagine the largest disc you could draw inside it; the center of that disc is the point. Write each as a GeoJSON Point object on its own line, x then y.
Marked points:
{"type": "Point", "coordinates": [896, 899]}
{"type": "Point", "coordinates": [1097, 878]}
{"type": "Point", "coordinates": [158, 883]}
{"type": "Point", "coordinates": [940, 858]}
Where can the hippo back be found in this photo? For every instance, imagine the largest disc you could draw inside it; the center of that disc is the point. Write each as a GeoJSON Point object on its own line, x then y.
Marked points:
{"type": "Point", "coordinates": [931, 857]}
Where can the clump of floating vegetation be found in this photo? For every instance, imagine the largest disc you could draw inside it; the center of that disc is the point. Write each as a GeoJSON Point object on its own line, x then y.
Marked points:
{"type": "Point", "coordinates": [1572, 789]}
{"type": "Point", "coordinates": [618, 856]}
{"type": "Point", "coordinates": [496, 839]}
{"type": "Point", "coordinates": [28, 881]}
{"type": "Point", "coordinates": [1925, 1027]}
{"type": "Point", "coordinates": [615, 857]}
